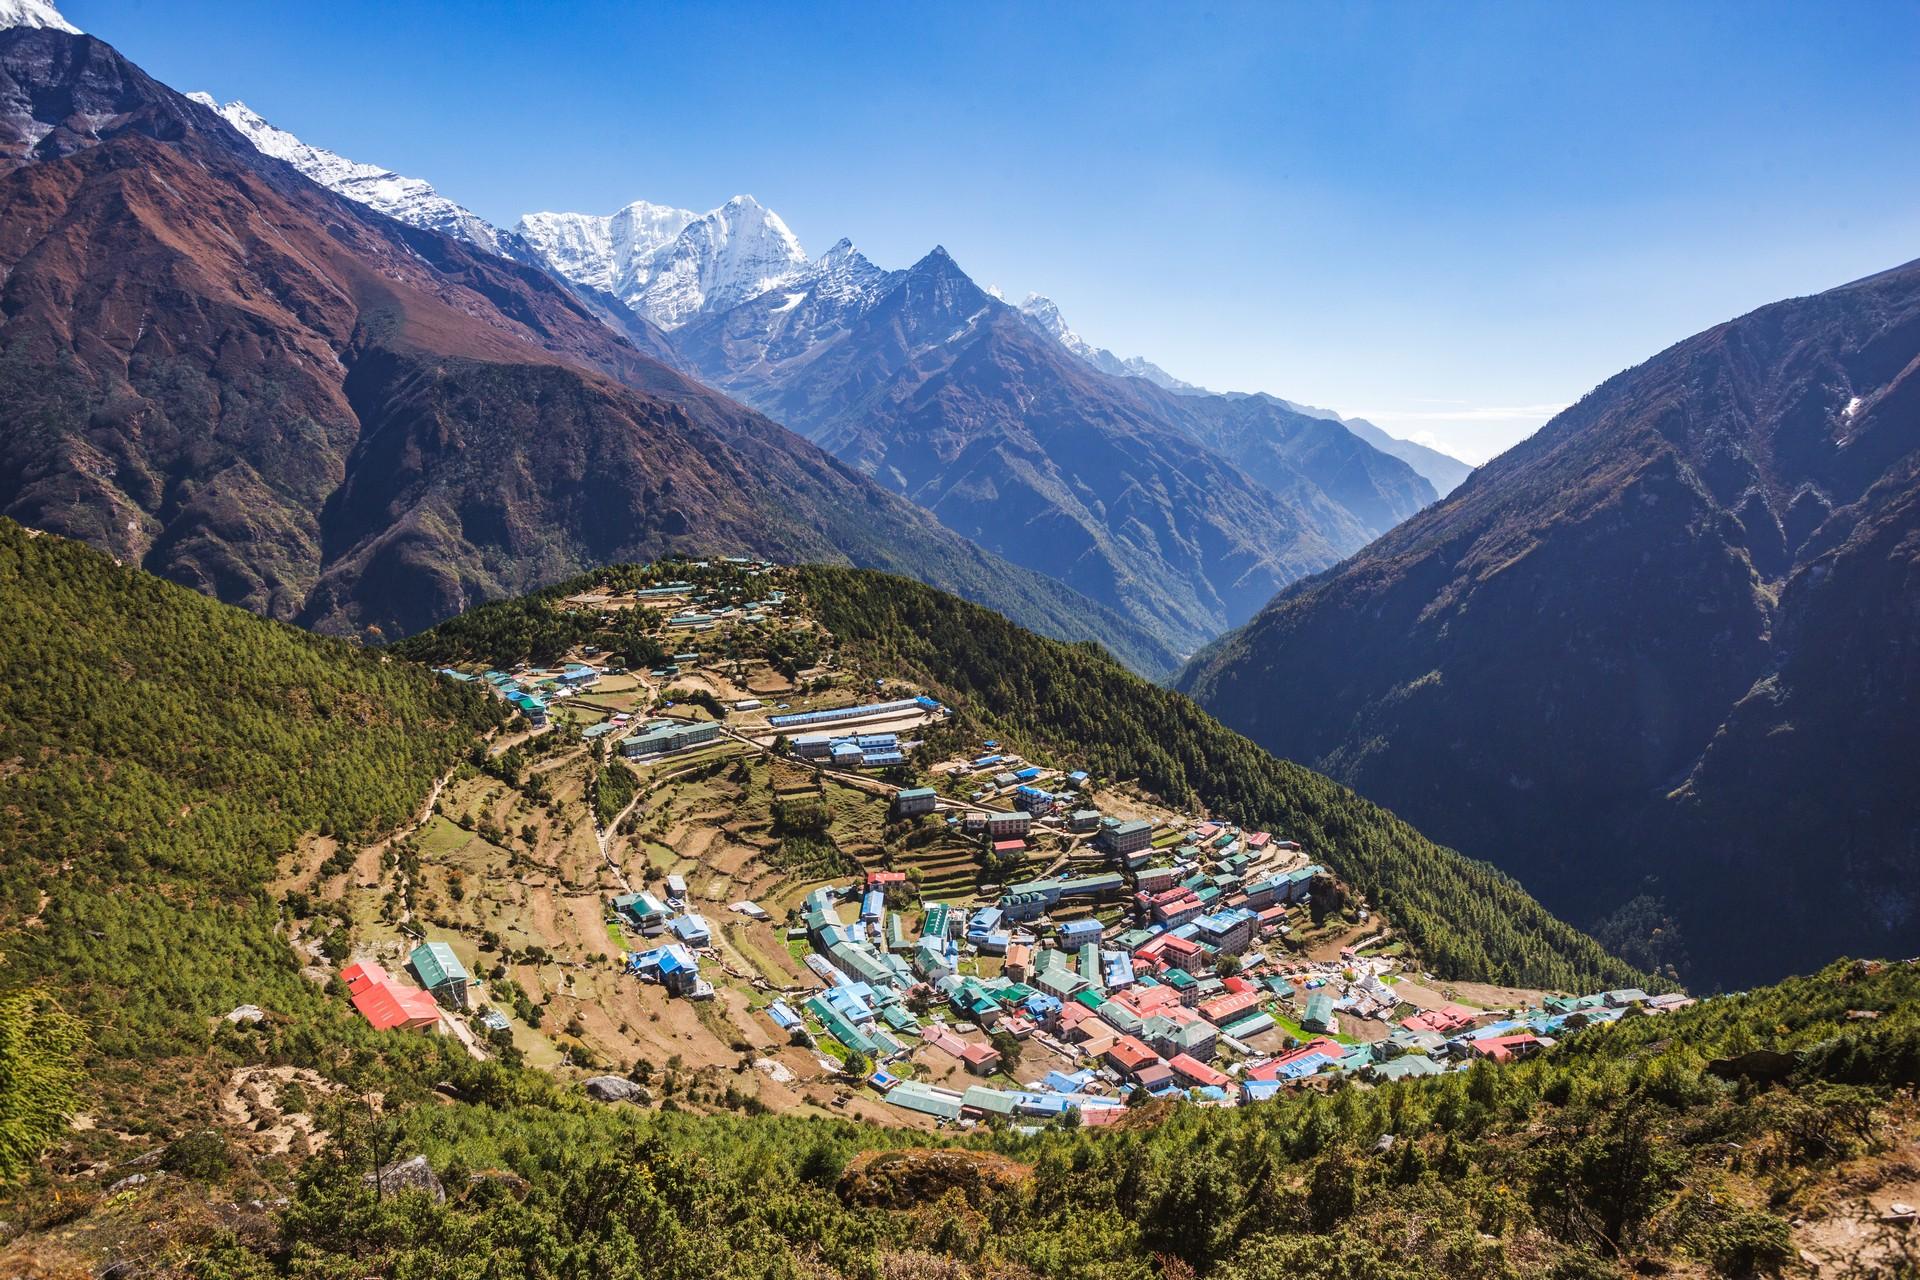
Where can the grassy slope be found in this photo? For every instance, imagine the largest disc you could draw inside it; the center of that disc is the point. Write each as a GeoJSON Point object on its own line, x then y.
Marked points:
{"type": "Point", "coordinates": [1468, 920]}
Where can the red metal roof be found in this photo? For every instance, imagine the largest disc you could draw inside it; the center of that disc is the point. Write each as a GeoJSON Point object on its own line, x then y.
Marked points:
{"type": "Point", "coordinates": [1194, 1071]}
{"type": "Point", "coordinates": [387, 1005]}
{"type": "Point", "coordinates": [1128, 1054]}
{"type": "Point", "coordinates": [1505, 1048]}
{"type": "Point", "coordinates": [975, 1052]}
{"type": "Point", "coordinates": [1225, 1008]}
{"type": "Point", "coordinates": [1146, 1001]}
{"type": "Point", "coordinates": [362, 972]}
{"type": "Point", "coordinates": [1447, 1018]}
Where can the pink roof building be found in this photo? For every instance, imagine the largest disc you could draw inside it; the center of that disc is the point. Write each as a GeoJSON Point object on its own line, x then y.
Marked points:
{"type": "Point", "coordinates": [1445, 1020]}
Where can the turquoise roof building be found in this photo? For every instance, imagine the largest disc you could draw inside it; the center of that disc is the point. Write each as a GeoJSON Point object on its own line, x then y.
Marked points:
{"type": "Point", "coordinates": [440, 971]}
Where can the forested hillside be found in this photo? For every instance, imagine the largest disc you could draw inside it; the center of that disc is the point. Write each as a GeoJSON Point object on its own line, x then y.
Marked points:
{"type": "Point", "coordinates": [159, 752]}
{"type": "Point", "coordinates": [1467, 919]}
{"type": "Point", "coordinates": [162, 751]}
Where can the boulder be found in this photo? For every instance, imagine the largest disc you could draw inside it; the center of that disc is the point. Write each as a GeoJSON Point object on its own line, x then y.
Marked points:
{"type": "Point", "coordinates": [409, 1175]}
{"type": "Point", "coordinates": [613, 1089]}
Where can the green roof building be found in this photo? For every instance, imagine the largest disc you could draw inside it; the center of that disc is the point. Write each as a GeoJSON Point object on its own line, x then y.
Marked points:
{"type": "Point", "coordinates": [440, 972]}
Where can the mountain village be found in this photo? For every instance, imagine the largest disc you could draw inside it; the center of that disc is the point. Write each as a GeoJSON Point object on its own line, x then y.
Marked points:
{"type": "Point", "coordinates": [941, 931]}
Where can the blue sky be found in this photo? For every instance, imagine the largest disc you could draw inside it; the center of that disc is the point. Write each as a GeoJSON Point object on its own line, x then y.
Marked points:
{"type": "Point", "coordinates": [1448, 218]}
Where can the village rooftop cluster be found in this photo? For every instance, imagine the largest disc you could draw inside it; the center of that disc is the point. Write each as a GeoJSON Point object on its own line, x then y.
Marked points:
{"type": "Point", "coordinates": [1140, 953]}
{"type": "Point", "coordinates": [1186, 990]}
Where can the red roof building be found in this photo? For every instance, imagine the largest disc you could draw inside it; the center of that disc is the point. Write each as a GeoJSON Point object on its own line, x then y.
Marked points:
{"type": "Point", "coordinates": [1128, 1056]}
{"type": "Point", "coordinates": [981, 1059]}
{"type": "Point", "coordinates": [1230, 1007]}
{"type": "Point", "coordinates": [386, 1004]}
{"type": "Point", "coordinates": [1182, 953]}
{"type": "Point", "coordinates": [1506, 1048]}
{"type": "Point", "coordinates": [1146, 1001]}
{"type": "Point", "coordinates": [1196, 1073]}
{"type": "Point", "coordinates": [1073, 1020]}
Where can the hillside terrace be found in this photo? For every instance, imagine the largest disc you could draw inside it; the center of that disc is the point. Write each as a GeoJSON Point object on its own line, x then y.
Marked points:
{"type": "Point", "coordinates": [983, 935]}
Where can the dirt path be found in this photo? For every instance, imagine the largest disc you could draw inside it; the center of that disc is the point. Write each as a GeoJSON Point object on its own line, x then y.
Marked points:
{"type": "Point", "coordinates": [464, 1034]}
{"type": "Point", "coordinates": [604, 835]}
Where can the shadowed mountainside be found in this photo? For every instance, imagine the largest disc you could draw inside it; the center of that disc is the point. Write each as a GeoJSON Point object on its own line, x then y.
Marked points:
{"type": "Point", "coordinates": [1661, 661]}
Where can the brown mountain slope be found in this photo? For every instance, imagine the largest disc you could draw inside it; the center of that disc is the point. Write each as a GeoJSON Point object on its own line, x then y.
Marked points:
{"type": "Point", "coordinates": [217, 370]}
{"type": "Point", "coordinates": [1660, 660]}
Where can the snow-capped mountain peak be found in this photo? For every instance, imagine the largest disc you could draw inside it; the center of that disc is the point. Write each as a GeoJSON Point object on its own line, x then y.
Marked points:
{"type": "Point", "coordinates": [669, 264]}
{"type": "Point", "coordinates": [611, 252]}
{"type": "Point", "coordinates": [1045, 316]}
{"type": "Point", "coordinates": [409, 200]}
{"type": "Point", "coordinates": [845, 275]}
{"type": "Point", "coordinates": [34, 13]}
{"type": "Point", "coordinates": [738, 251]}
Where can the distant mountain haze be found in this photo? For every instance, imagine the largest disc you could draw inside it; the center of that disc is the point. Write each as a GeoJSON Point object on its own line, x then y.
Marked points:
{"type": "Point", "coordinates": [1179, 510]}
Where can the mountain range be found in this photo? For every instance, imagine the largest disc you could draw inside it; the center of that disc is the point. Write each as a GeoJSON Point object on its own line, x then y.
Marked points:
{"type": "Point", "coordinates": [1185, 512]}
{"type": "Point", "coordinates": [1179, 508]}
{"type": "Point", "coordinates": [222, 371]}
{"type": "Point", "coordinates": [1661, 661]}
{"type": "Point", "coordinates": [1152, 496]}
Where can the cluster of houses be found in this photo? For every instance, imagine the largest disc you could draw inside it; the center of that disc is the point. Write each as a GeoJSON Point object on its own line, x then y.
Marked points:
{"type": "Point", "coordinates": [1168, 1033]}
{"type": "Point", "coordinates": [532, 693]}
{"type": "Point", "coordinates": [674, 964]}
{"type": "Point", "coordinates": [1145, 999]}
{"type": "Point", "coordinates": [1137, 1004]}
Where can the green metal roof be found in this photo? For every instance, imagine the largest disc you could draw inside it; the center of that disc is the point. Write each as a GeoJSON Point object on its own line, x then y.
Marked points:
{"type": "Point", "coordinates": [437, 965]}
